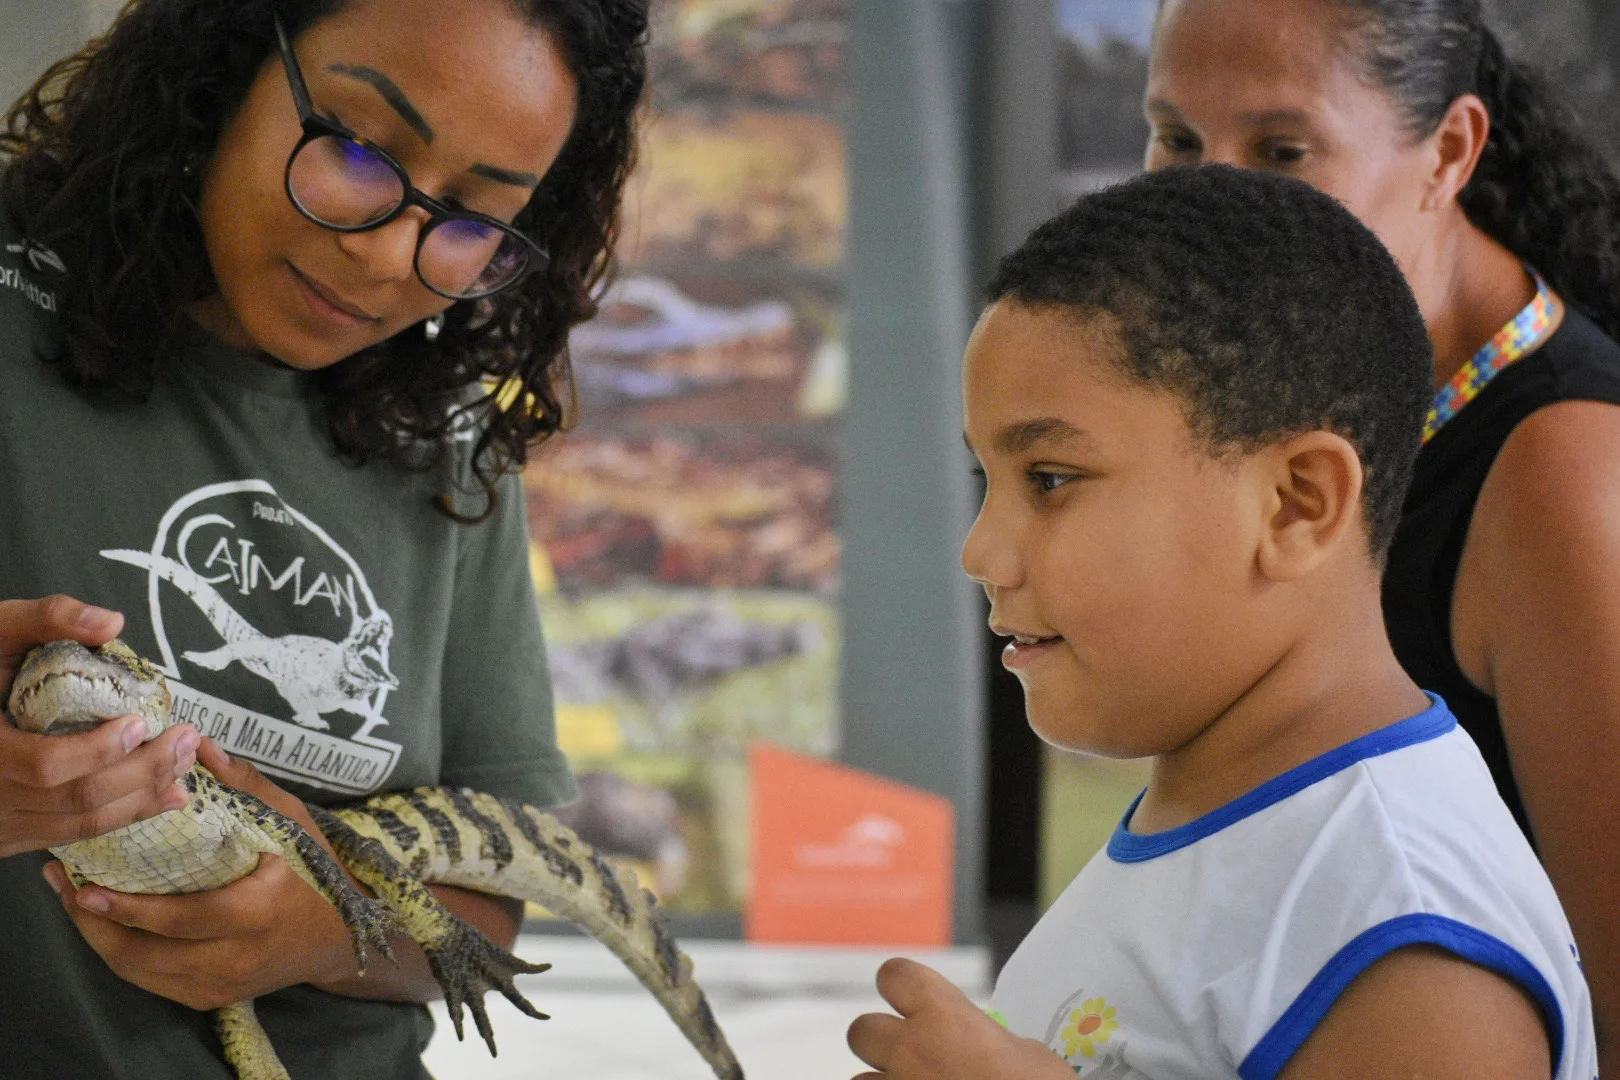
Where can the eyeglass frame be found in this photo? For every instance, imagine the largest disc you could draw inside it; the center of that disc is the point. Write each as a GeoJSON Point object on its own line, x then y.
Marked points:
{"type": "Point", "coordinates": [316, 126]}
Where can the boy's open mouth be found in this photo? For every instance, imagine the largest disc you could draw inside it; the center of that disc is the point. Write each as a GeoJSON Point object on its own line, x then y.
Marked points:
{"type": "Point", "coordinates": [1025, 649]}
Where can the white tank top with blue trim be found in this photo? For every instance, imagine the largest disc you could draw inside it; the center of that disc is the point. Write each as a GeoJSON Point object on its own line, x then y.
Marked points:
{"type": "Point", "coordinates": [1215, 949]}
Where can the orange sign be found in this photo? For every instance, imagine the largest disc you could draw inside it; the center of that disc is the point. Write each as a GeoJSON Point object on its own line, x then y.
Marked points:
{"type": "Point", "coordinates": [844, 857]}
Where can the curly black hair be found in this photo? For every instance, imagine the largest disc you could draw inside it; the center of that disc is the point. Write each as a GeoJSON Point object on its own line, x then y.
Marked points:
{"type": "Point", "coordinates": [1541, 189]}
{"type": "Point", "coordinates": [101, 161]}
{"type": "Point", "coordinates": [1265, 305]}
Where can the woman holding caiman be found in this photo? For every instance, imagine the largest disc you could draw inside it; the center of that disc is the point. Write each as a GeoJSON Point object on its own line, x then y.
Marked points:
{"type": "Point", "coordinates": [285, 289]}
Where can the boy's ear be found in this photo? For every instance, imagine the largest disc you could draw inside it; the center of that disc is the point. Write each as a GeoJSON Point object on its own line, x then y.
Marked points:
{"type": "Point", "coordinates": [1314, 505]}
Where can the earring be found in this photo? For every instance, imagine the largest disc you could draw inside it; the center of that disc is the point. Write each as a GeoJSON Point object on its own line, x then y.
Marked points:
{"type": "Point", "coordinates": [432, 326]}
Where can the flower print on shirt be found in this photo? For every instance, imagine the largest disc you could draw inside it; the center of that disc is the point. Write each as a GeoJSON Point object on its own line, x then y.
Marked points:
{"type": "Point", "coordinates": [1088, 1027]}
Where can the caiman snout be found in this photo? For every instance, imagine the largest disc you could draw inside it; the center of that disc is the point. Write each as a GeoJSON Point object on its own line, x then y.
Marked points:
{"type": "Point", "coordinates": [64, 687]}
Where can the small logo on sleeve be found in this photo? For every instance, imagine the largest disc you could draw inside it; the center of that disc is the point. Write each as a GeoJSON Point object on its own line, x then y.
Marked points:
{"type": "Point", "coordinates": [39, 257]}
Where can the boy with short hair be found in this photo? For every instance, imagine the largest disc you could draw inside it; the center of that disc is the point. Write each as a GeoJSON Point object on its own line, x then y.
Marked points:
{"type": "Point", "coordinates": [1197, 398]}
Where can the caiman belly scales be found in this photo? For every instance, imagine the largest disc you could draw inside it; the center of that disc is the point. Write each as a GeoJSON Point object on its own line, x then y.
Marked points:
{"type": "Point", "coordinates": [395, 844]}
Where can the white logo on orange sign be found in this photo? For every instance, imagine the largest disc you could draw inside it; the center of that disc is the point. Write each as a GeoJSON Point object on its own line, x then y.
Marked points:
{"type": "Point", "coordinates": [869, 842]}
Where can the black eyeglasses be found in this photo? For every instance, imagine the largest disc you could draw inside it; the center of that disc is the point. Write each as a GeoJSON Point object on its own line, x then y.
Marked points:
{"type": "Point", "coordinates": [340, 181]}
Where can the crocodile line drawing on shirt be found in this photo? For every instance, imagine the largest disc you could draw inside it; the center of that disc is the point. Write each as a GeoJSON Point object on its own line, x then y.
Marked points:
{"type": "Point", "coordinates": [312, 674]}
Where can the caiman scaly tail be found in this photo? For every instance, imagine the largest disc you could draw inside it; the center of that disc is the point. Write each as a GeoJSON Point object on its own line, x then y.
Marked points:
{"type": "Point", "coordinates": [476, 841]}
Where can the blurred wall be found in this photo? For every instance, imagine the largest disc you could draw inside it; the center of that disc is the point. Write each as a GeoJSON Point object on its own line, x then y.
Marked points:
{"type": "Point", "coordinates": [38, 32]}
{"type": "Point", "coordinates": [913, 667]}
{"type": "Point", "coordinates": [99, 13]}
{"type": "Point", "coordinates": [1574, 42]}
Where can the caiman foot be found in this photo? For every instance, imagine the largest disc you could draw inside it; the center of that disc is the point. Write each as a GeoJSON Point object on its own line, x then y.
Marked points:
{"type": "Point", "coordinates": [369, 921]}
{"type": "Point", "coordinates": [466, 964]}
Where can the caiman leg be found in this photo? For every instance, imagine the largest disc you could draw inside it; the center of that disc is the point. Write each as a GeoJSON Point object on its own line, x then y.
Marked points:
{"type": "Point", "coordinates": [208, 844]}
{"type": "Point", "coordinates": [465, 963]}
{"type": "Point", "coordinates": [212, 842]}
{"type": "Point", "coordinates": [369, 922]}
{"type": "Point", "coordinates": [247, 1047]}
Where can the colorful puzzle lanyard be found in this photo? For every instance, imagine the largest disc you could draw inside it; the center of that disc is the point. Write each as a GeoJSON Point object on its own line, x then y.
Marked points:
{"type": "Point", "coordinates": [1513, 342]}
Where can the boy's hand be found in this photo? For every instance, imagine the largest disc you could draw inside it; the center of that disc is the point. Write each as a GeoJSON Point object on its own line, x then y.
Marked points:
{"type": "Point", "coordinates": [206, 950]}
{"type": "Point", "coordinates": [941, 1035]}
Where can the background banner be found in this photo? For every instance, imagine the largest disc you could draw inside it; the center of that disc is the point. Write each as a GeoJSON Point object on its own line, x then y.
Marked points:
{"type": "Point", "coordinates": [687, 545]}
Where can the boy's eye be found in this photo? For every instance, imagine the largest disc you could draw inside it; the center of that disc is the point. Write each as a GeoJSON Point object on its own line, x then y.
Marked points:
{"type": "Point", "coordinates": [1048, 481]}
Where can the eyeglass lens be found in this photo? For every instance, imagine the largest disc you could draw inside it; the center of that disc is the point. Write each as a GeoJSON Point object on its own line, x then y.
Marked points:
{"type": "Point", "coordinates": [344, 184]}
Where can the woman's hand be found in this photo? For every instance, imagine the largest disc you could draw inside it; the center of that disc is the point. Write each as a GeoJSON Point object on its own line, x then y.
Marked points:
{"type": "Point", "coordinates": [211, 949]}
{"type": "Point", "coordinates": [264, 932]}
{"type": "Point", "coordinates": [61, 788]}
{"type": "Point", "coordinates": [941, 1035]}
{"type": "Point", "coordinates": [206, 950]}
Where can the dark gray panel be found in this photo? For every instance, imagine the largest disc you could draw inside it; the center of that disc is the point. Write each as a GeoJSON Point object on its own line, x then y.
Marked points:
{"type": "Point", "coordinates": [912, 677]}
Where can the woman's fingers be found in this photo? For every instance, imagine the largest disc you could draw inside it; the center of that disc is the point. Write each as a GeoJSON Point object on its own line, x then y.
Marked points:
{"type": "Point", "coordinates": [55, 794]}
{"type": "Point", "coordinates": [26, 623]}
{"type": "Point", "coordinates": [44, 762]}
{"type": "Point", "coordinates": [77, 774]}
{"type": "Point", "coordinates": [24, 831]}
{"type": "Point", "coordinates": [243, 908]}
{"type": "Point", "coordinates": [53, 790]}
{"type": "Point", "coordinates": [259, 933]}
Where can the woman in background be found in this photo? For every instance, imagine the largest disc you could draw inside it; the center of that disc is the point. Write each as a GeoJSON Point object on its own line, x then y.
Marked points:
{"type": "Point", "coordinates": [1502, 591]}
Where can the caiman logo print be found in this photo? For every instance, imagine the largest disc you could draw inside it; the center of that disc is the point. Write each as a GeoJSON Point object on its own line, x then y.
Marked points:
{"type": "Point", "coordinates": [272, 641]}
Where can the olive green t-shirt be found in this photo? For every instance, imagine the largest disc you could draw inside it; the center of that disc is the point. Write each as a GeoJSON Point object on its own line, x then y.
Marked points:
{"type": "Point", "coordinates": [323, 621]}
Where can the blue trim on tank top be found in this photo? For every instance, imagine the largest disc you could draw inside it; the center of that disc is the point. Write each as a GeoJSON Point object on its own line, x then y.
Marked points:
{"type": "Point", "coordinates": [1278, 1046]}
{"type": "Point", "coordinates": [1128, 847]}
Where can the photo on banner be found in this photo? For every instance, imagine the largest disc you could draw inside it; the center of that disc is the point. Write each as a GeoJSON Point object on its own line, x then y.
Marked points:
{"type": "Point", "coordinates": [686, 541]}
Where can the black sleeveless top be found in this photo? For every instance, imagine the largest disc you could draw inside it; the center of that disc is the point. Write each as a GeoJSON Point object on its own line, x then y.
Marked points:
{"type": "Point", "coordinates": [1578, 362]}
